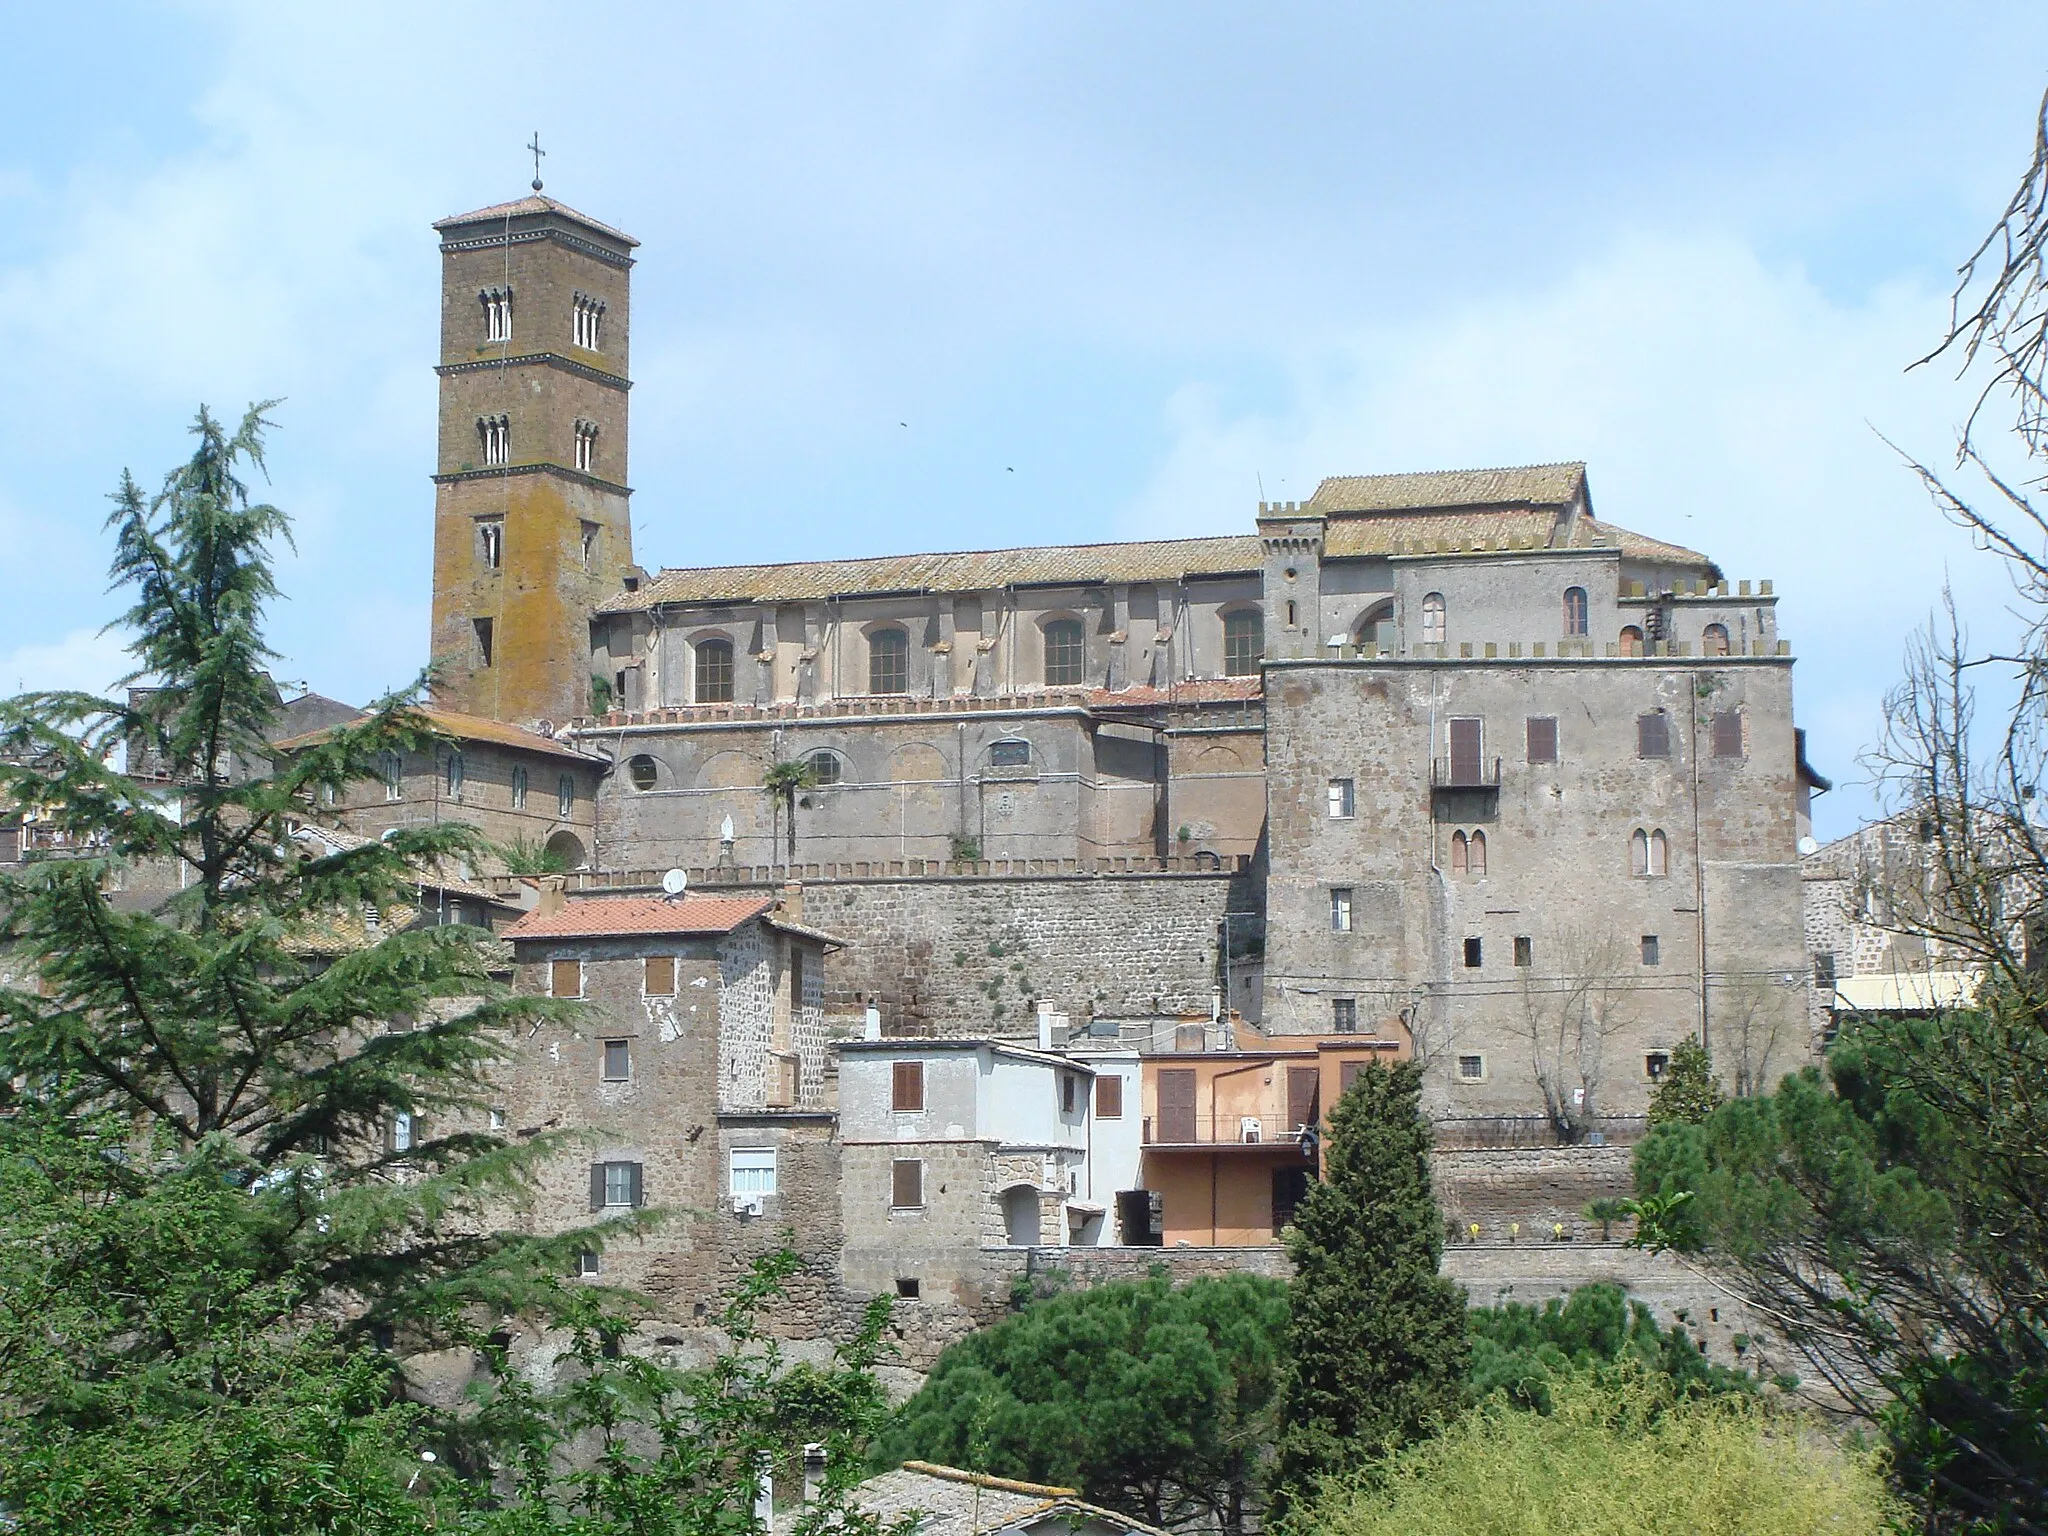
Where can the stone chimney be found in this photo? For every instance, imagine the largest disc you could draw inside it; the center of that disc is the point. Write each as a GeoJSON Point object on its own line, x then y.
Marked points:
{"type": "Point", "coordinates": [552, 895]}
{"type": "Point", "coordinates": [793, 901]}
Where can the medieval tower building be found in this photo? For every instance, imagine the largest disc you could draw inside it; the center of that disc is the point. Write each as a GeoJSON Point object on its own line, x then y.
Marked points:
{"type": "Point", "coordinates": [531, 524]}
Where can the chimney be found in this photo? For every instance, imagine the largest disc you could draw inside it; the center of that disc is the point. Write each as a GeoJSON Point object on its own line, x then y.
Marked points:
{"type": "Point", "coordinates": [814, 1473]}
{"type": "Point", "coordinates": [871, 1024]}
{"type": "Point", "coordinates": [552, 899]}
{"type": "Point", "coordinates": [793, 901]}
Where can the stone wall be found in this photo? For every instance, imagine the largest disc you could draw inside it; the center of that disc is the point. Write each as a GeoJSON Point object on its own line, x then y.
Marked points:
{"type": "Point", "coordinates": [964, 954]}
{"type": "Point", "coordinates": [1529, 1187]}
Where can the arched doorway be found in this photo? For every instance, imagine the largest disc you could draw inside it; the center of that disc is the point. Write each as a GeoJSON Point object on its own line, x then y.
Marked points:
{"type": "Point", "coordinates": [568, 847]}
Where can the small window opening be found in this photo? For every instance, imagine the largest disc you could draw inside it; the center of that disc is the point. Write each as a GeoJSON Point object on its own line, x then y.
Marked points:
{"type": "Point", "coordinates": [1474, 954]}
{"type": "Point", "coordinates": [826, 768]}
{"type": "Point", "coordinates": [641, 769]}
{"type": "Point", "coordinates": [586, 452]}
{"type": "Point", "coordinates": [589, 546]}
{"type": "Point", "coordinates": [1009, 754]}
{"type": "Point", "coordinates": [1650, 949]}
{"type": "Point", "coordinates": [1525, 950]}
{"type": "Point", "coordinates": [906, 1288]}
{"type": "Point", "coordinates": [1631, 640]}
{"type": "Point", "coordinates": [565, 794]}
{"type": "Point", "coordinates": [1472, 1069]}
{"type": "Point", "coordinates": [1575, 611]}
{"type": "Point", "coordinates": [1343, 799]}
{"type": "Point", "coordinates": [618, 1060]}
{"type": "Point", "coordinates": [1714, 640]}
{"type": "Point", "coordinates": [1435, 619]}
{"type": "Point", "coordinates": [483, 629]}
{"type": "Point", "coordinates": [497, 307]}
{"type": "Point", "coordinates": [456, 773]}
{"type": "Point", "coordinates": [1340, 909]}
{"type": "Point", "coordinates": [519, 781]}
{"type": "Point", "coordinates": [1344, 1015]}
{"type": "Point", "coordinates": [490, 542]}
{"type": "Point", "coordinates": [1656, 1064]}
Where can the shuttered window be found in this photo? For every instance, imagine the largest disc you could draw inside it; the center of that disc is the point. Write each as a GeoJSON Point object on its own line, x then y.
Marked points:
{"type": "Point", "coordinates": [1304, 1086]}
{"type": "Point", "coordinates": [906, 1184]}
{"type": "Point", "coordinates": [565, 978]}
{"type": "Point", "coordinates": [614, 1185]}
{"type": "Point", "coordinates": [1177, 1104]}
{"type": "Point", "coordinates": [1542, 738]}
{"type": "Point", "coordinates": [661, 976]}
{"type": "Point", "coordinates": [1465, 751]}
{"type": "Point", "coordinates": [1653, 734]}
{"type": "Point", "coordinates": [1347, 1074]}
{"type": "Point", "coordinates": [1728, 733]}
{"type": "Point", "coordinates": [906, 1088]}
{"type": "Point", "coordinates": [1109, 1098]}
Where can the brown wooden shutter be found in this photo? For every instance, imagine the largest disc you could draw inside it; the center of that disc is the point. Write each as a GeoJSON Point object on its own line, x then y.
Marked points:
{"type": "Point", "coordinates": [1653, 735]}
{"type": "Point", "coordinates": [1177, 1104]}
{"type": "Point", "coordinates": [1109, 1098]}
{"type": "Point", "coordinates": [661, 975]}
{"type": "Point", "coordinates": [565, 978]}
{"type": "Point", "coordinates": [907, 1191]}
{"type": "Point", "coordinates": [597, 1186]}
{"type": "Point", "coordinates": [1728, 733]}
{"type": "Point", "coordinates": [1542, 738]}
{"type": "Point", "coordinates": [633, 1195]}
{"type": "Point", "coordinates": [1347, 1074]}
{"type": "Point", "coordinates": [1303, 1085]}
{"type": "Point", "coordinates": [1465, 751]}
{"type": "Point", "coordinates": [906, 1088]}
{"type": "Point", "coordinates": [10, 844]}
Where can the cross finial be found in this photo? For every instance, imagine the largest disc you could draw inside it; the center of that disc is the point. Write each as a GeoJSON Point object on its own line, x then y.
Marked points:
{"type": "Point", "coordinates": [537, 153]}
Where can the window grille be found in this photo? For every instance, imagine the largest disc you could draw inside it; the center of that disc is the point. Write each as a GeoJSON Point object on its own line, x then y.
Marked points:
{"type": "Point", "coordinates": [1244, 643]}
{"type": "Point", "coordinates": [714, 671]}
{"type": "Point", "coordinates": [889, 661]}
{"type": "Point", "coordinates": [1066, 654]}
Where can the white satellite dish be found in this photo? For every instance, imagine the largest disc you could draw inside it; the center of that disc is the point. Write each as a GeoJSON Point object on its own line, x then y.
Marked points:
{"type": "Point", "coordinates": [1808, 845]}
{"type": "Point", "coordinates": [676, 881]}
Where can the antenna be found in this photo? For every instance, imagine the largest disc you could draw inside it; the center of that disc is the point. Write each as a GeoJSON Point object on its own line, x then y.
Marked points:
{"type": "Point", "coordinates": [676, 881]}
{"type": "Point", "coordinates": [537, 153]}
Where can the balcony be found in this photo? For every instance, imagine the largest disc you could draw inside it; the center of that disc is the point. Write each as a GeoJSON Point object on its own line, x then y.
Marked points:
{"type": "Point", "coordinates": [1271, 1131]}
{"type": "Point", "coordinates": [1452, 773]}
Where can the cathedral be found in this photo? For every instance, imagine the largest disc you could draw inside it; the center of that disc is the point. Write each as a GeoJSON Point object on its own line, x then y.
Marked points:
{"type": "Point", "coordinates": [949, 907]}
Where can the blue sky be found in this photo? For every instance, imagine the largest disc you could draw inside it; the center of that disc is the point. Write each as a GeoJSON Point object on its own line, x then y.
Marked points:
{"type": "Point", "coordinates": [1117, 266]}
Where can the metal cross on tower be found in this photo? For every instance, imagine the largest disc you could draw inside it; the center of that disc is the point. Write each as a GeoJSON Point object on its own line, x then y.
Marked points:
{"type": "Point", "coordinates": [537, 153]}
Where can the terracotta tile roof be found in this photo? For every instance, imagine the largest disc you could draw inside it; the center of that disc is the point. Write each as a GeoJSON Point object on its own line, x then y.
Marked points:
{"type": "Point", "coordinates": [1638, 545]}
{"type": "Point", "coordinates": [341, 840]}
{"type": "Point", "coordinates": [966, 571]}
{"type": "Point", "coordinates": [526, 207]}
{"type": "Point", "coordinates": [1542, 485]}
{"type": "Point", "coordinates": [472, 728]}
{"type": "Point", "coordinates": [1413, 532]}
{"type": "Point", "coordinates": [603, 917]}
{"type": "Point", "coordinates": [1201, 690]}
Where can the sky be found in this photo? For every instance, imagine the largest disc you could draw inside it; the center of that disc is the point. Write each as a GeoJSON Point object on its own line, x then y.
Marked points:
{"type": "Point", "coordinates": [936, 276]}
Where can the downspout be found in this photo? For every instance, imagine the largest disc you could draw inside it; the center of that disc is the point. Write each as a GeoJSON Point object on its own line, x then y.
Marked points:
{"type": "Point", "coordinates": [1699, 863]}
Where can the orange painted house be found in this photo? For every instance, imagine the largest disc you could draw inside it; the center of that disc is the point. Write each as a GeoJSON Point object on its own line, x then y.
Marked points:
{"type": "Point", "coordinates": [1223, 1132]}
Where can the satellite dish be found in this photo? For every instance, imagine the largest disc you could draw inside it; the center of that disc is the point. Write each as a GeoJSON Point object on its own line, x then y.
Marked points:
{"type": "Point", "coordinates": [676, 881]}
{"type": "Point", "coordinates": [1808, 845]}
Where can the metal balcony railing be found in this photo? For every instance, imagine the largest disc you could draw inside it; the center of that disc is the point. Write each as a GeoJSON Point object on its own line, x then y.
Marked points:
{"type": "Point", "coordinates": [1234, 1129]}
{"type": "Point", "coordinates": [1464, 773]}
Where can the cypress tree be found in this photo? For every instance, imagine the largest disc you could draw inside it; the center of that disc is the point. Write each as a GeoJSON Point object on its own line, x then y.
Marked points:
{"type": "Point", "coordinates": [1377, 1345]}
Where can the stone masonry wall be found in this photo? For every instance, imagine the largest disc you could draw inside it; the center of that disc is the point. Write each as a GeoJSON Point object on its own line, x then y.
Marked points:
{"type": "Point", "coordinates": [959, 954]}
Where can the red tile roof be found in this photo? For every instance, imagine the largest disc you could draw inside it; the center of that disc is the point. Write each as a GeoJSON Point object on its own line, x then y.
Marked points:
{"type": "Point", "coordinates": [526, 207]}
{"type": "Point", "coordinates": [470, 728]}
{"type": "Point", "coordinates": [606, 917]}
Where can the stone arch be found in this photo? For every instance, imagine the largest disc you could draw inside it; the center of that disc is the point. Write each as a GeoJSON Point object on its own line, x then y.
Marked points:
{"type": "Point", "coordinates": [1021, 1219]}
{"type": "Point", "coordinates": [568, 847]}
{"type": "Point", "coordinates": [917, 762]}
{"type": "Point", "coordinates": [1375, 625]}
{"type": "Point", "coordinates": [729, 770]}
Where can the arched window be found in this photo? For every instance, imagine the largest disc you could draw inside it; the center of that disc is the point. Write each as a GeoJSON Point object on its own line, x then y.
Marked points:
{"type": "Point", "coordinates": [1714, 640]}
{"type": "Point", "coordinates": [1475, 860]}
{"type": "Point", "coordinates": [1574, 610]}
{"type": "Point", "coordinates": [1631, 640]}
{"type": "Point", "coordinates": [1639, 852]}
{"type": "Point", "coordinates": [714, 671]}
{"type": "Point", "coordinates": [1376, 628]}
{"type": "Point", "coordinates": [519, 788]}
{"type": "Point", "coordinates": [1066, 654]}
{"type": "Point", "coordinates": [826, 767]}
{"type": "Point", "coordinates": [1461, 852]}
{"type": "Point", "coordinates": [1649, 853]}
{"type": "Point", "coordinates": [1244, 642]}
{"type": "Point", "coordinates": [641, 770]}
{"type": "Point", "coordinates": [455, 775]}
{"type": "Point", "coordinates": [1009, 753]}
{"type": "Point", "coordinates": [1435, 619]}
{"type": "Point", "coordinates": [889, 661]}
{"type": "Point", "coordinates": [391, 769]}
{"type": "Point", "coordinates": [1659, 854]}
{"type": "Point", "coordinates": [565, 794]}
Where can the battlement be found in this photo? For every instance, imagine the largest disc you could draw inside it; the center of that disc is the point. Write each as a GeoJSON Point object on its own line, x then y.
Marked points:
{"type": "Point", "coordinates": [728, 876]}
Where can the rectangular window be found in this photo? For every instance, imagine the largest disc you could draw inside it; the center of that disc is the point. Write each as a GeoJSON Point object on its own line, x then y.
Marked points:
{"type": "Point", "coordinates": [907, 1288]}
{"type": "Point", "coordinates": [660, 978]}
{"type": "Point", "coordinates": [1177, 1119]}
{"type": "Point", "coordinates": [589, 529]}
{"type": "Point", "coordinates": [796, 981]}
{"type": "Point", "coordinates": [565, 794]}
{"type": "Point", "coordinates": [588, 1264]}
{"type": "Point", "coordinates": [888, 661]}
{"type": "Point", "coordinates": [1066, 1093]}
{"type": "Point", "coordinates": [1009, 754]}
{"type": "Point", "coordinates": [752, 1171]}
{"type": "Point", "coordinates": [1109, 1098]}
{"type": "Point", "coordinates": [405, 1131]}
{"type": "Point", "coordinates": [1340, 909]}
{"type": "Point", "coordinates": [1542, 738]}
{"type": "Point", "coordinates": [906, 1184]}
{"type": "Point", "coordinates": [1656, 1064]}
{"type": "Point", "coordinates": [518, 789]}
{"type": "Point", "coordinates": [565, 978]}
{"type": "Point", "coordinates": [1343, 798]}
{"type": "Point", "coordinates": [1344, 1015]}
{"type": "Point", "coordinates": [906, 1088]}
{"type": "Point", "coordinates": [1824, 969]}
{"type": "Point", "coordinates": [1471, 1069]}
{"type": "Point", "coordinates": [1650, 947]}
{"type": "Point", "coordinates": [1525, 950]}
{"type": "Point", "coordinates": [498, 1120]}
{"type": "Point", "coordinates": [618, 1060]}
{"type": "Point", "coordinates": [490, 542]}
{"type": "Point", "coordinates": [1728, 733]}
{"type": "Point", "coordinates": [1474, 954]}
{"type": "Point", "coordinates": [614, 1186]}
{"type": "Point", "coordinates": [1653, 734]}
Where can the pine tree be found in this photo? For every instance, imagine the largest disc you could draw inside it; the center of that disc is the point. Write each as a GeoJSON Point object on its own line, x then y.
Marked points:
{"type": "Point", "coordinates": [234, 1035]}
{"type": "Point", "coordinates": [1688, 1092]}
{"type": "Point", "coordinates": [1376, 1340]}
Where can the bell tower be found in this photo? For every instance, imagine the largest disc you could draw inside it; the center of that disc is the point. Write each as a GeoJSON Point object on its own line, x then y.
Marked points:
{"type": "Point", "coordinates": [531, 521]}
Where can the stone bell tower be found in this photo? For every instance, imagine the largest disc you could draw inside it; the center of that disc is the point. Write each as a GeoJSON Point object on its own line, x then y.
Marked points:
{"type": "Point", "coordinates": [531, 522]}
